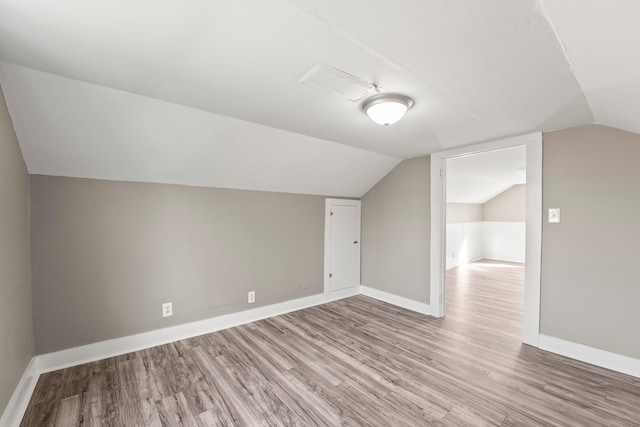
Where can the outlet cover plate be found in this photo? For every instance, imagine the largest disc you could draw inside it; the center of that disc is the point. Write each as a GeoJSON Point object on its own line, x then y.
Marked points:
{"type": "Point", "coordinates": [167, 309]}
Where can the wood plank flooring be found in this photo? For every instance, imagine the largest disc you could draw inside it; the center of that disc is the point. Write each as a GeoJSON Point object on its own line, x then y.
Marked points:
{"type": "Point", "coordinates": [353, 362]}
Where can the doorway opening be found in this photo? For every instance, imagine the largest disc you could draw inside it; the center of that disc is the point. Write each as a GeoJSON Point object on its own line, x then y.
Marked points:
{"type": "Point", "coordinates": [485, 214]}
{"type": "Point", "coordinates": [532, 147]}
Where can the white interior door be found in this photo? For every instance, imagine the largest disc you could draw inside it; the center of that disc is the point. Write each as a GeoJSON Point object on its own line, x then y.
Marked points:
{"type": "Point", "coordinates": [343, 245]}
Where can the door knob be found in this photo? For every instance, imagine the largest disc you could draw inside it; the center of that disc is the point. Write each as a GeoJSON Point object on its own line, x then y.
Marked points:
{"type": "Point", "coordinates": [355, 242]}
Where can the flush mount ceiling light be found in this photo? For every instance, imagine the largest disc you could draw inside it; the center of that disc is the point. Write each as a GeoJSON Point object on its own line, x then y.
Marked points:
{"type": "Point", "coordinates": [387, 108]}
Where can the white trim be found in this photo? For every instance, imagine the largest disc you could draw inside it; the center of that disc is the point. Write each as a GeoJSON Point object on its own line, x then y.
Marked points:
{"type": "Point", "coordinates": [595, 356]}
{"type": "Point", "coordinates": [327, 236]}
{"type": "Point", "coordinates": [533, 142]}
{"type": "Point", "coordinates": [100, 350]}
{"type": "Point", "coordinates": [327, 244]}
{"type": "Point", "coordinates": [396, 300]}
{"type": "Point", "coordinates": [438, 234]}
{"type": "Point", "coordinates": [533, 243]}
{"type": "Point", "coordinates": [13, 413]}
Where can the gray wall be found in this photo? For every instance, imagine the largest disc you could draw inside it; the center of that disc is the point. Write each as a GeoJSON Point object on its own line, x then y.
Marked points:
{"type": "Point", "coordinates": [396, 231]}
{"type": "Point", "coordinates": [508, 206]}
{"type": "Point", "coordinates": [464, 212]}
{"type": "Point", "coordinates": [590, 279]}
{"type": "Point", "coordinates": [107, 254]}
{"type": "Point", "coordinates": [16, 332]}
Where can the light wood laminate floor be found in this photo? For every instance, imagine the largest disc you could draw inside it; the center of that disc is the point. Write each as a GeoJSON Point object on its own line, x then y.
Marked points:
{"type": "Point", "coordinates": [352, 362]}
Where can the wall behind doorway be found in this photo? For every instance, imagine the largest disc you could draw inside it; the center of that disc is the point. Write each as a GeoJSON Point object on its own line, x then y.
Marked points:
{"type": "Point", "coordinates": [504, 225]}
{"type": "Point", "coordinates": [493, 230]}
{"type": "Point", "coordinates": [508, 206]}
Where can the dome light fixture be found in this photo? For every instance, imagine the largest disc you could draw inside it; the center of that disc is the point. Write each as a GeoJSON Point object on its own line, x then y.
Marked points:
{"type": "Point", "coordinates": [387, 108]}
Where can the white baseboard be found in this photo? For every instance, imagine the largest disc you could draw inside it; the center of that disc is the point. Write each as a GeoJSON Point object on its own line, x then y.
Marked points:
{"type": "Point", "coordinates": [403, 302]}
{"type": "Point", "coordinates": [40, 364]}
{"type": "Point", "coordinates": [12, 415]}
{"type": "Point", "coordinates": [100, 350]}
{"type": "Point", "coordinates": [595, 356]}
{"type": "Point", "coordinates": [14, 412]}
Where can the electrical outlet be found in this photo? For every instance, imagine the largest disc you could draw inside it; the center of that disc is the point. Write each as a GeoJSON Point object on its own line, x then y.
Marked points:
{"type": "Point", "coordinates": [167, 309]}
{"type": "Point", "coordinates": [251, 297]}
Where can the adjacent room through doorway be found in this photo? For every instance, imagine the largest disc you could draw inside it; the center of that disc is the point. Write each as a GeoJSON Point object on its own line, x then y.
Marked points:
{"type": "Point", "coordinates": [485, 238]}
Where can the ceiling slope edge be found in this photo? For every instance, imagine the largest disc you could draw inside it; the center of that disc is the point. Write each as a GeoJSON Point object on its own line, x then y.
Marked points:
{"type": "Point", "coordinates": [67, 127]}
{"type": "Point", "coordinates": [563, 45]}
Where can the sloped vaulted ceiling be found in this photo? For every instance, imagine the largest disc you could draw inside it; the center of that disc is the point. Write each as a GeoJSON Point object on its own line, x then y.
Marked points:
{"type": "Point", "coordinates": [206, 92]}
{"type": "Point", "coordinates": [602, 41]}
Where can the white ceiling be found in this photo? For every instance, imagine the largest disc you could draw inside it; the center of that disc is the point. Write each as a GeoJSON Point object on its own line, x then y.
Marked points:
{"type": "Point", "coordinates": [480, 177]}
{"type": "Point", "coordinates": [477, 71]}
{"type": "Point", "coordinates": [83, 130]}
{"type": "Point", "coordinates": [601, 41]}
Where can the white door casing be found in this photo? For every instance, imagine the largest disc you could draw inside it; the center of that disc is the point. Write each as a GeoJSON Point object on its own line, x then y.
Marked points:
{"type": "Point", "coordinates": [533, 250]}
{"type": "Point", "coordinates": [342, 244]}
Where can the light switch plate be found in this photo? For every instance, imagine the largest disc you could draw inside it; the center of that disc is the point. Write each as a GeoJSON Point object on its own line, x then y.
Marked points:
{"type": "Point", "coordinates": [554, 215]}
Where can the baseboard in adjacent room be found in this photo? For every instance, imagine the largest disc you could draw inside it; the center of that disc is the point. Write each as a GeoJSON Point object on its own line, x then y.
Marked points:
{"type": "Point", "coordinates": [403, 302]}
{"type": "Point", "coordinates": [595, 356]}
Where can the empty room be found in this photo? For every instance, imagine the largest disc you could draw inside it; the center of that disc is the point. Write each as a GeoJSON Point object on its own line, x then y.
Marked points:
{"type": "Point", "coordinates": [319, 212]}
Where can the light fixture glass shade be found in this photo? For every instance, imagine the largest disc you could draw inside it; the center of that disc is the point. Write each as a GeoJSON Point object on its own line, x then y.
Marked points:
{"type": "Point", "coordinates": [387, 108]}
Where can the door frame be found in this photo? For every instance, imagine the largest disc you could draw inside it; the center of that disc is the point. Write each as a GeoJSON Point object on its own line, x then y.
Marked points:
{"type": "Point", "coordinates": [327, 236]}
{"type": "Point", "coordinates": [533, 249]}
